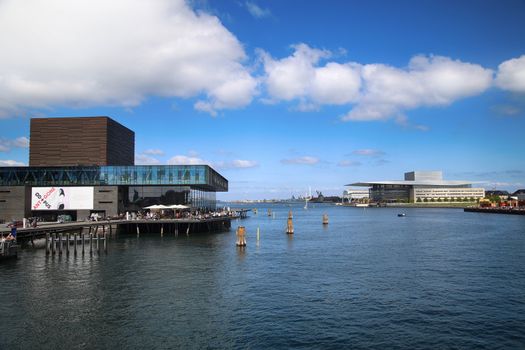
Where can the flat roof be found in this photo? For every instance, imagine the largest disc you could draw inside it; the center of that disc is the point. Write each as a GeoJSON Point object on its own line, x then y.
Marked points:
{"type": "Point", "coordinates": [413, 183]}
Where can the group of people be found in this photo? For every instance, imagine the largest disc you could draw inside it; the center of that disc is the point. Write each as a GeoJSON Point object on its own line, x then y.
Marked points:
{"type": "Point", "coordinates": [11, 236]}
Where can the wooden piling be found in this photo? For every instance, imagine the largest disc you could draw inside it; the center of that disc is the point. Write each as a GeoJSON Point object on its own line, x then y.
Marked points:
{"type": "Point", "coordinates": [162, 230]}
{"type": "Point", "coordinates": [241, 238]}
{"type": "Point", "coordinates": [176, 230]}
{"type": "Point", "coordinates": [290, 214]}
{"type": "Point", "coordinates": [257, 232]}
{"type": "Point", "coordinates": [97, 237]}
{"type": "Point", "coordinates": [47, 243]}
{"type": "Point", "coordinates": [289, 227]}
{"type": "Point", "coordinates": [68, 238]}
{"type": "Point", "coordinates": [90, 243]}
{"type": "Point", "coordinates": [105, 243]}
{"type": "Point", "coordinates": [75, 236]}
{"type": "Point", "coordinates": [325, 219]}
{"type": "Point", "coordinates": [138, 231]}
{"type": "Point", "coordinates": [83, 237]}
{"type": "Point", "coordinates": [60, 242]}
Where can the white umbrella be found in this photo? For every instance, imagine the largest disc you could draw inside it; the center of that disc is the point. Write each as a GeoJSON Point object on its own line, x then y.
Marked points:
{"type": "Point", "coordinates": [156, 206]}
{"type": "Point", "coordinates": [178, 206]}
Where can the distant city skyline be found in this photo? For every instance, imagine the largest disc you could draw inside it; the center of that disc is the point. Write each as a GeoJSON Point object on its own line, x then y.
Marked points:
{"type": "Point", "coordinates": [279, 96]}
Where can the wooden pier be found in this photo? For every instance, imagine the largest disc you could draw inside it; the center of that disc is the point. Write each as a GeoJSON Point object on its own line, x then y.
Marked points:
{"type": "Point", "coordinates": [110, 228]}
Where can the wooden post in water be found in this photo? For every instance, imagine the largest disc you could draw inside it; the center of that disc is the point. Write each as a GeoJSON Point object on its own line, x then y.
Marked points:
{"type": "Point", "coordinates": [325, 219]}
{"type": "Point", "coordinates": [97, 235]}
{"type": "Point", "coordinates": [138, 231]}
{"type": "Point", "coordinates": [241, 238]}
{"type": "Point", "coordinates": [83, 238]}
{"type": "Point", "coordinates": [47, 243]}
{"type": "Point", "coordinates": [289, 226]}
{"type": "Point", "coordinates": [68, 237]}
{"type": "Point", "coordinates": [176, 230]}
{"type": "Point", "coordinates": [269, 212]}
{"type": "Point", "coordinates": [257, 233]}
{"type": "Point", "coordinates": [290, 214]}
{"type": "Point", "coordinates": [105, 243]}
{"type": "Point", "coordinates": [162, 230]}
{"type": "Point", "coordinates": [75, 237]}
{"type": "Point", "coordinates": [60, 242]}
{"type": "Point", "coordinates": [188, 230]}
{"type": "Point", "coordinates": [90, 243]}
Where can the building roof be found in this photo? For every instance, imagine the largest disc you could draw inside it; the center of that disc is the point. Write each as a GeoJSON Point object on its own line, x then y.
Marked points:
{"type": "Point", "coordinates": [520, 191]}
{"type": "Point", "coordinates": [496, 193]}
{"type": "Point", "coordinates": [412, 183]}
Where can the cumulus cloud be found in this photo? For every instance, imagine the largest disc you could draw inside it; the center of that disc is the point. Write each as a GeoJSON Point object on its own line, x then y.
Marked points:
{"type": "Point", "coordinates": [374, 91]}
{"type": "Point", "coordinates": [19, 142]}
{"type": "Point", "coordinates": [95, 52]}
{"type": "Point", "coordinates": [257, 11]}
{"type": "Point", "coordinates": [307, 160]}
{"type": "Point", "coordinates": [428, 81]}
{"type": "Point", "coordinates": [368, 152]}
{"type": "Point", "coordinates": [511, 75]}
{"type": "Point", "coordinates": [8, 162]}
{"type": "Point", "coordinates": [154, 152]}
{"type": "Point", "coordinates": [299, 77]}
{"type": "Point", "coordinates": [235, 164]}
{"type": "Point", "coordinates": [347, 163]}
{"type": "Point", "coordinates": [187, 160]}
{"type": "Point", "coordinates": [195, 160]}
{"type": "Point", "coordinates": [143, 159]}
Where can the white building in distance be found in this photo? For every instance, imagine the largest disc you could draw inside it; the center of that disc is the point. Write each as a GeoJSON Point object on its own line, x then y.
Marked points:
{"type": "Point", "coordinates": [422, 186]}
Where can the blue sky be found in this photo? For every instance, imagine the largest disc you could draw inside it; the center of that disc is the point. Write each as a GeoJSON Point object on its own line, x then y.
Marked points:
{"type": "Point", "coordinates": [279, 95]}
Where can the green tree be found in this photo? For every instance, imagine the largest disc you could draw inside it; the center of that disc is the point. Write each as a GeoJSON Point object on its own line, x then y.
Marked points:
{"type": "Point", "coordinates": [432, 199]}
{"type": "Point", "coordinates": [425, 200]}
{"type": "Point", "coordinates": [439, 199]}
{"type": "Point", "coordinates": [418, 199]}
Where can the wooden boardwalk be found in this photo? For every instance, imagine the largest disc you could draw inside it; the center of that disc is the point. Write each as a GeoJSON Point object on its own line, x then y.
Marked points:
{"type": "Point", "coordinates": [110, 227]}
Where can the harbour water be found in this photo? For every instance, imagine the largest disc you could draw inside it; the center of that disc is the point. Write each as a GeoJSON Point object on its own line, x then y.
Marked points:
{"type": "Point", "coordinates": [434, 279]}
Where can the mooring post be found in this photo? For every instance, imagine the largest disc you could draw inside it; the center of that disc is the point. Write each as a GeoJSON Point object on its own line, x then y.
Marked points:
{"type": "Point", "coordinates": [188, 230]}
{"type": "Point", "coordinates": [60, 241]}
{"type": "Point", "coordinates": [105, 243]}
{"type": "Point", "coordinates": [138, 231]}
{"type": "Point", "coordinates": [162, 230]}
{"type": "Point", "coordinates": [289, 227]}
{"type": "Point", "coordinates": [90, 243]}
{"type": "Point", "coordinates": [53, 243]}
{"type": "Point", "coordinates": [47, 243]}
{"type": "Point", "coordinates": [83, 238]}
{"type": "Point", "coordinates": [257, 232]}
{"type": "Point", "coordinates": [325, 219]}
{"type": "Point", "coordinates": [241, 238]}
{"type": "Point", "coordinates": [176, 230]}
{"type": "Point", "coordinates": [68, 237]}
{"type": "Point", "coordinates": [75, 244]}
{"type": "Point", "coordinates": [97, 237]}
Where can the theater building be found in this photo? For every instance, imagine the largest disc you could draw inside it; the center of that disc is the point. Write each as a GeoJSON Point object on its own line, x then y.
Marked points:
{"type": "Point", "coordinates": [84, 165]}
{"type": "Point", "coordinates": [422, 186]}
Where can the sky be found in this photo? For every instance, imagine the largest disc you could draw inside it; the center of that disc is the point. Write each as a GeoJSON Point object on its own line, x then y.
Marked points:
{"type": "Point", "coordinates": [279, 96]}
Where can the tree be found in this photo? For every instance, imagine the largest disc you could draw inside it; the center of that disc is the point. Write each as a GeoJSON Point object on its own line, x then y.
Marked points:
{"type": "Point", "coordinates": [418, 199]}
{"type": "Point", "coordinates": [432, 199]}
{"type": "Point", "coordinates": [439, 199]}
{"type": "Point", "coordinates": [425, 200]}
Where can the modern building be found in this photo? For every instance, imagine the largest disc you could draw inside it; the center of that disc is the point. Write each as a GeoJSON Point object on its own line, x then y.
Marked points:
{"type": "Point", "coordinates": [520, 194]}
{"type": "Point", "coordinates": [353, 195]}
{"type": "Point", "coordinates": [422, 186]}
{"type": "Point", "coordinates": [85, 165]}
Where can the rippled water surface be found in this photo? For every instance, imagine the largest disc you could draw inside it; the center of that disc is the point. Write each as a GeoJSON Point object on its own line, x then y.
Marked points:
{"type": "Point", "coordinates": [435, 279]}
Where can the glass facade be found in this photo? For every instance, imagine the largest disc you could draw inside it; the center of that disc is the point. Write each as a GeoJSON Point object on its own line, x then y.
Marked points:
{"type": "Point", "coordinates": [135, 198]}
{"type": "Point", "coordinates": [197, 176]}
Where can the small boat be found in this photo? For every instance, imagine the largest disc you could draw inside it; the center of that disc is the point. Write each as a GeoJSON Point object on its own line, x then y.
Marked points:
{"type": "Point", "coordinates": [401, 214]}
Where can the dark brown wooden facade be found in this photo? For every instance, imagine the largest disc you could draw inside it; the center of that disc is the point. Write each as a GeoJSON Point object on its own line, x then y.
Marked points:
{"type": "Point", "coordinates": [80, 141]}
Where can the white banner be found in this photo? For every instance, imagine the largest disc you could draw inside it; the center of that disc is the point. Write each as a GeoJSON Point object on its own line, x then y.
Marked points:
{"type": "Point", "coordinates": [61, 198]}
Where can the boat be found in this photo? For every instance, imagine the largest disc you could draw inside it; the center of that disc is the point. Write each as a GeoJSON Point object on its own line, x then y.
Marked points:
{"type": "Point", "coordinates": [401, 214]}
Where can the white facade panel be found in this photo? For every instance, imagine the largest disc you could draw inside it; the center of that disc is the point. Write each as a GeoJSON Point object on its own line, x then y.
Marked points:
{"type": "Point", "coordinates": [62, 198]}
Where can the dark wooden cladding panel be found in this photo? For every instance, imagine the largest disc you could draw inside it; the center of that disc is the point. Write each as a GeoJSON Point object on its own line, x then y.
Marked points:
{"type": "Point", "coordinates": [80, 141]}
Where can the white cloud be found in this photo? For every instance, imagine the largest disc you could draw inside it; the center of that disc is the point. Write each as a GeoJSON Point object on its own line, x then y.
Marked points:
{"type": "Point", "coordinates": [9, 162]}
{"type": "Point", "coordinates": [186, 160]}
{"type": "Point", "coordinates": [19, 142]}
{"type": "Point", "coordinates": [428, 81]}
{"type": "Point", "coordinates": [96, 52]}
{"type": "Point", "coordinates": [511, 75]}
{"type": "Point", "coordinates": [142, 159]}
{"type": "Point", "coordinates": [301, 160]}
{"type": "Point", "coordinates": [298, 77]}
{"type": "Point", "coordinates": [257, 11]}
{"type": "Point", "coordinates": [243, 164]}
{"type": "Point", "coordinates": [347, 163]}
{"type": "Point", "coordinates": [154, 152]}
{"type": "Point", "coordinates": [369, 152]}
{"type": "Point", "coordinates": [375, 91]}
